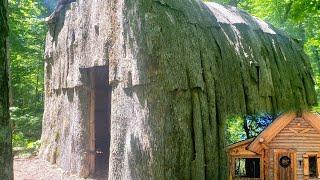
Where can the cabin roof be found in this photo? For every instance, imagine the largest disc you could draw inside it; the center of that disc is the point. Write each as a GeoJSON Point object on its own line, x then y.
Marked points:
{"type": "Point", "coordinates": [231, 16]}
{"type": "Point", "coordinates": [240, 143]}
{"type": "Point", "coordinates": [314, 119]}
{"type": "Point", "coordinates": [258, 143]}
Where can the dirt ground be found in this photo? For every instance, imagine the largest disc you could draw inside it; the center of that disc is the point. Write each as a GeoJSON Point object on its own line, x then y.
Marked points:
{"type": "Point", "coordinates": [36, 169]}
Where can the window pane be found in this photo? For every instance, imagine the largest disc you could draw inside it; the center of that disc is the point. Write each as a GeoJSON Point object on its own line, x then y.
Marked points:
{"type": "Point", "coordinates": [247, 167]}
{"type": "Point", "coordinates": [313, 166]}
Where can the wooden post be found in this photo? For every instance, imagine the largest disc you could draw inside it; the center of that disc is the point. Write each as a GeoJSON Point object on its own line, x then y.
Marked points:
{"type": "Point", "coordinates": [266, 164]}
{"type": "Point", "coordinates": [275, 165]}
{"type": "Point", "coordinates": [294, 164]}
{"type": "Point", "coordinates": [232, 167]}
{"type": "Point", "coordinates": [262, 168]}
{"type": "Point", "coordinates": [92, 145]}
{"type": "Point", "coordinates": [318, 165]}
{"type": "Point", "coordinates": [306, 165]}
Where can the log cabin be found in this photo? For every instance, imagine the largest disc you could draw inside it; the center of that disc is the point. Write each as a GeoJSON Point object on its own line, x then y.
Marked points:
{"type": "Point", "coordinates": [288, 149]}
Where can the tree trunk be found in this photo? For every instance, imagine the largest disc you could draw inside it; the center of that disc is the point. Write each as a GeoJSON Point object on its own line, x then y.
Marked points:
{"type": "Point", "coordinates": [6, 168]}
{"type": "Point", "coordinates": [246, 128]}
{"type": "Point", "coordinates": [177, 70]}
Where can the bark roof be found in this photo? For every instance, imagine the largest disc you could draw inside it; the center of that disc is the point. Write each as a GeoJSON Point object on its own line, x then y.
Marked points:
{"type": "Point", "coordinates": [231, 15]}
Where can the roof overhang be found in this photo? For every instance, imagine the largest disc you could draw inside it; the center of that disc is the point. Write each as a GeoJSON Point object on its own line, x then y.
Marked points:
{"type": "Point", "coordinates": [261, 142]}
{"type": "Point", "coordinates": [241, 143]}
{"type": "Point", "coordinates": [270, 132]}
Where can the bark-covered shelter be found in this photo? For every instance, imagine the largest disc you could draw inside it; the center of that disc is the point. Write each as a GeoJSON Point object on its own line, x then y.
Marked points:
{"type": "Point", "coordinates": [141, 89]}
{"type": "Point", "coordinates": [289, 148]}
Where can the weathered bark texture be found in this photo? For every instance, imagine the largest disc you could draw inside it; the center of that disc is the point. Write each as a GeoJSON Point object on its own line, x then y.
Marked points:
{"type": "Point", "coordinates": [6, 167]}
{"type": "Point", "coordinates": [177, 70]}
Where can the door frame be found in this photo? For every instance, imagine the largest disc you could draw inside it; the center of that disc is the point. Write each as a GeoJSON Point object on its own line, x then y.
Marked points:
{"type": "Point", "coordinates": [293, 157]}
{"type": "Point", "coordinates": [92, 144]}
{"type": "Point", "coordinates": [92, 73]}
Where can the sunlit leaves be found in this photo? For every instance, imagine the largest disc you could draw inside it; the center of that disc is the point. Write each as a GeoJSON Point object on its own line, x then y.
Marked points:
{"type": "Point", "coordinates": [27, 36]}
{"type": "Point", "coordinates": [234, 130]}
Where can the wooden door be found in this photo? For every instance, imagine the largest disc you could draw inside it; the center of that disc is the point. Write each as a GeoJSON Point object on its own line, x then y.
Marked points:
{"type": "Point", "coordinates": [284, 165]}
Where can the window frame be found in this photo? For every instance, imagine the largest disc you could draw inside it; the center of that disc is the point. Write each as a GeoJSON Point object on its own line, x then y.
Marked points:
{"type": "Point", "coordinates": [306, 164]}
{"type": "Point", "coordinates": [247, 157]}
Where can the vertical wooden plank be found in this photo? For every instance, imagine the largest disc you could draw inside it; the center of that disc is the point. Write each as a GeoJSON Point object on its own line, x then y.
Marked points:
{"type": "Point", "coordinates": [288, 172]}
{"type": "Point", "coordinates": [266, 164]}
{"type": "Point", "coordinates": [318, 165]}
{"type": "Point", "coordinates": [275, 165]}
{"type": "Point", "coordinates": [92, 125]}
{"type": "Point", "coordinates": [262, 168]}
{"type": "Point", "coordinates": [231, 167]}
{"type": "Point", "coordinates": [294, 164]}
{"type": "Point", "coordinates": [305, 165]}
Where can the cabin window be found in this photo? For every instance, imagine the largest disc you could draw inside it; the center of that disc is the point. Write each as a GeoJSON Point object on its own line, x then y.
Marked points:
{"type": "Point", "coordinates": [311, 163]}
{"type": "Point", "coordinates": [313, 166]}
{"type": "Point", "coordinates": [247, 167]}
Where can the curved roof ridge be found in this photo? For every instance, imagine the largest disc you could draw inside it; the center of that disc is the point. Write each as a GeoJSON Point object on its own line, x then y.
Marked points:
{"type": "Point", "coordinates": [231, 15]}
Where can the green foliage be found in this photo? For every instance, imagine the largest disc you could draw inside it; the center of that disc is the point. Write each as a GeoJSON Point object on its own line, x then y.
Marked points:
{"type": "Point", "coordinates": [26, 130]}
{"type": "Point", "coordinates": [26, 38]}
{"type": "Point", "coordinates": [317, 108]}
{"type": "Point", "coordinates": [254, 124]}
{"type": "Point", "coordinates": [234, 131]}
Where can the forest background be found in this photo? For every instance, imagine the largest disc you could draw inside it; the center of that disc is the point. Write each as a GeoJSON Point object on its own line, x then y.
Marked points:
{"type": "Point", "coordinates": [298, 18]}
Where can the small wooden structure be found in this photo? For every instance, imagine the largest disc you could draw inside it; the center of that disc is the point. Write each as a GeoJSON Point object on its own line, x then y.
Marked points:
{"type": "Point", "coordinates": [288, 149]}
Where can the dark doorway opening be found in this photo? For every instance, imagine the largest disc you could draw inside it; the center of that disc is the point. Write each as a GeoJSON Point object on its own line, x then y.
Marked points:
{"type": "Point", "coordinates": [101, 96]}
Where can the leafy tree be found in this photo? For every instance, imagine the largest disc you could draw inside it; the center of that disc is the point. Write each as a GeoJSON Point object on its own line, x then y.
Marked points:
{"type": "Point", "coordinates": [234, 130]}
{"type": "Point", "coordinates": [27, 37]}
{"type": "Point", "coordinates": [241, 128]}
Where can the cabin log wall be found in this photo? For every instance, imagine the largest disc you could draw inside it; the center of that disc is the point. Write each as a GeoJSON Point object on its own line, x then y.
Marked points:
{"type": "Point", "coordinates": [302, 139]}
